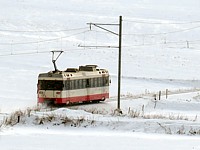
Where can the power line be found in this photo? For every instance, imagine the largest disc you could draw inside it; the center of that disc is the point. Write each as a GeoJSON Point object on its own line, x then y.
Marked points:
{"type": "Point", "coordinates": [41, 41]}
{"type": "Point", "coordinates": [161, 23]}
{"type": "Point", "coordinates": [47, 51]}
{"type": "Point", "coordinates": [149, 34]}
{"type": "Point", "coordinates": [38, 31]}
{"type": "Point", "coordinates": [172, 42]}
{"type": "Point", "coordinates": [93, 48]}
{"type": "Point", "coordinates": [177, 31]}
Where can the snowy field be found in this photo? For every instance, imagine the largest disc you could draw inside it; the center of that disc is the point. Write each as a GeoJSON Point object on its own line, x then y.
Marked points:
{"type": "Point", "coordinates": [160, 50]}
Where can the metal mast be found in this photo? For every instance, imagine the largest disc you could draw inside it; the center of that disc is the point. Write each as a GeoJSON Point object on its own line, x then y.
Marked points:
{"type": "Point", "coordinates": [99, 25]}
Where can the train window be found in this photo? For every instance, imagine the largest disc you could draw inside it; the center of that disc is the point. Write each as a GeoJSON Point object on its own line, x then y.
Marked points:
{"type": "Point", "coordinates": [67, 85]}
{"type": "Point", "coordinates": [95, 82]}
{"type": "Point", "coordinates": [83, 83]}
{"type": "Point", "coordinates": [99, 82]}
{"type": "Point", "coordinates": [50, 85]}
{"type": "Point", "coordinates": [87, 83]}
{"type": "Point", "coordinates": [80, 84]}
{"type": "Point", "coordinates": [105, 81]}
{"type": "Point", "coordinates": [75, 84]}
{"type": "Point", "coordinates": [71, 85]}
{"type": "Point", "coordinates": [91, 82]}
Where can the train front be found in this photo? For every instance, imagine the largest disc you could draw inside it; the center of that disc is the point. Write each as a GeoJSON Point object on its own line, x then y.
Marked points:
{"type": "Point", "coordinates": [49, 88]}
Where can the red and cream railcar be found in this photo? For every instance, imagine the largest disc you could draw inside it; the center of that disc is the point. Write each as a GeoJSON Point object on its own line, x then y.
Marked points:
{"type": "Point", "coordinates": [86, 84]}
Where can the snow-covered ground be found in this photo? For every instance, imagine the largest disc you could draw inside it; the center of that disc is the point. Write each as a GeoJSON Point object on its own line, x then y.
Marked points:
{"type": "Point", "coordinates": [160, 50]}
{"type": "Point", "coordinates": [83, 139]}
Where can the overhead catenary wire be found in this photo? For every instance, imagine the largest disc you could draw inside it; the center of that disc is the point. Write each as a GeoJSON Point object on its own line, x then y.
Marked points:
{"type": "Point", "coordinates": [161, 43]}
{"type": "Point", "coordinates": [84, 49]}
{"type": "Point", "coordinates": [48, 51]}
{"type": "Point", "coordinates": [163, 33]}
{"type": "Point", "coordinates": [126, 34]}
{"type": "Point", "coordinates": [154, 34]}
{"type": "Point", "coordinates": [40, 31]}
{"type": "Point", "coordinates": [13, 53]}
{"type": "Point", "coordinates": [161, 23]}
{"type": "Point", "coordinates": [47, 40]}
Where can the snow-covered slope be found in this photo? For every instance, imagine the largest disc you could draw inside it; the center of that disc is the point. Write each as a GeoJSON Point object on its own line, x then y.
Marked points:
{"type": "Point", "coordinates": [30, 27]}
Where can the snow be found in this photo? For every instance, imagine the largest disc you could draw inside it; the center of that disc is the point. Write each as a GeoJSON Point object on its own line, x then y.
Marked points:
{"type": "Point", "coordinates": [79, 139]}
{"type": "Point", "coordinates": [153, 59]}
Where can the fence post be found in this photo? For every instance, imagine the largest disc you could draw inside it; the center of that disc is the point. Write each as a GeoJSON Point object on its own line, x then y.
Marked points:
{"type": "Point", "coordinates": [159, 95]}
{"type": "Point", "coordinates": [166, 93]}
{"type": "Point", "coordinates": [188, 44]}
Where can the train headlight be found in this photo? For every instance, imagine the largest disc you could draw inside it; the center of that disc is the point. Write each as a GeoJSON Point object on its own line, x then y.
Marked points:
{"type": "Point", "coordinates": [58, 92]}
{"type": "Point", "coordinates": [41, 92]}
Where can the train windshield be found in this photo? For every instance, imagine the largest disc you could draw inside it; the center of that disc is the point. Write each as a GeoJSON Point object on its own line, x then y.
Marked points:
{"type": "Point", "coordinates": [50, 85]}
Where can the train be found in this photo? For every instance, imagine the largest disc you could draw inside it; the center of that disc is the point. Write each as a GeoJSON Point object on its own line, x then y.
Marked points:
{"type": "Point", "coordinates": [84, 84]}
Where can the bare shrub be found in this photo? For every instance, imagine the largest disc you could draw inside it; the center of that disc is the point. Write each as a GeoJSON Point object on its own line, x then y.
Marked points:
{"type": "Point", "coordinates": [134, 113]}
{"type": "Point", "coordinates": [181, 130]}
{"type": "Point", "coordinates": [14, 118]}
{"type": "Point", "coordinates": [66, 120]}
{"type": "Point", "coordinates": [28, 112]}
{"type": "Point", "coordinates": [194, 131]}
{"type": "Point", "coordinates": [45, 118]}
{"type": "Point", "coordinates": [39, 120]}
{"type": "Point", "coordinates": [78, 122]}
{"type": "Point", "coordinates": [195, 119]}
{"type": "Point", "coordinates": [167, 129]}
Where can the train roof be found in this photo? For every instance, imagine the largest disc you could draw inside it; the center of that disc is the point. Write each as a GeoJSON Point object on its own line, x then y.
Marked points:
{"type": "Point", "coordinates": [75, 73]}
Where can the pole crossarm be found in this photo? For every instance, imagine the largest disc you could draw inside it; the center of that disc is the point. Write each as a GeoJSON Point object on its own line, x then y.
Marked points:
{"type": "Point", "coordinates": [99, 46]}
{"type": "Point", "coordinates": [98, 25]}
{"type": "Point", "coordinates": [104, 24]}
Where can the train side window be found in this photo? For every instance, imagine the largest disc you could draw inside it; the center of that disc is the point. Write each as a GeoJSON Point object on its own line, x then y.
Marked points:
{"type": "Point", "coordinates": [99, 82]}
{"type": "Point", "coordinates": [67, 85]}
{"type": "Point", "coordinates": [107, 80]}
{"type": "Point", "coordinates": [71, 85]}
{"type": "Point", "coordinates": [95, 82]}
{"type": "Point", "coordinates": [75, 84]}
{"type": "Point", "coordinates": [104, 81]}
{"type": "Point", "coordinates": [91, 82]}
{"type": "Point", "coordinates": [79, 83]}
{"type": "Point", "coordinates": [83, 83]}
{"type": "Point", "coordinates": [87, 83]}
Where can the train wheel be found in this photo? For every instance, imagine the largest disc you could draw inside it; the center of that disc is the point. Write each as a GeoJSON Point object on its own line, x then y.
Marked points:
{"type": "Point", "coordinates": [96, 101]}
